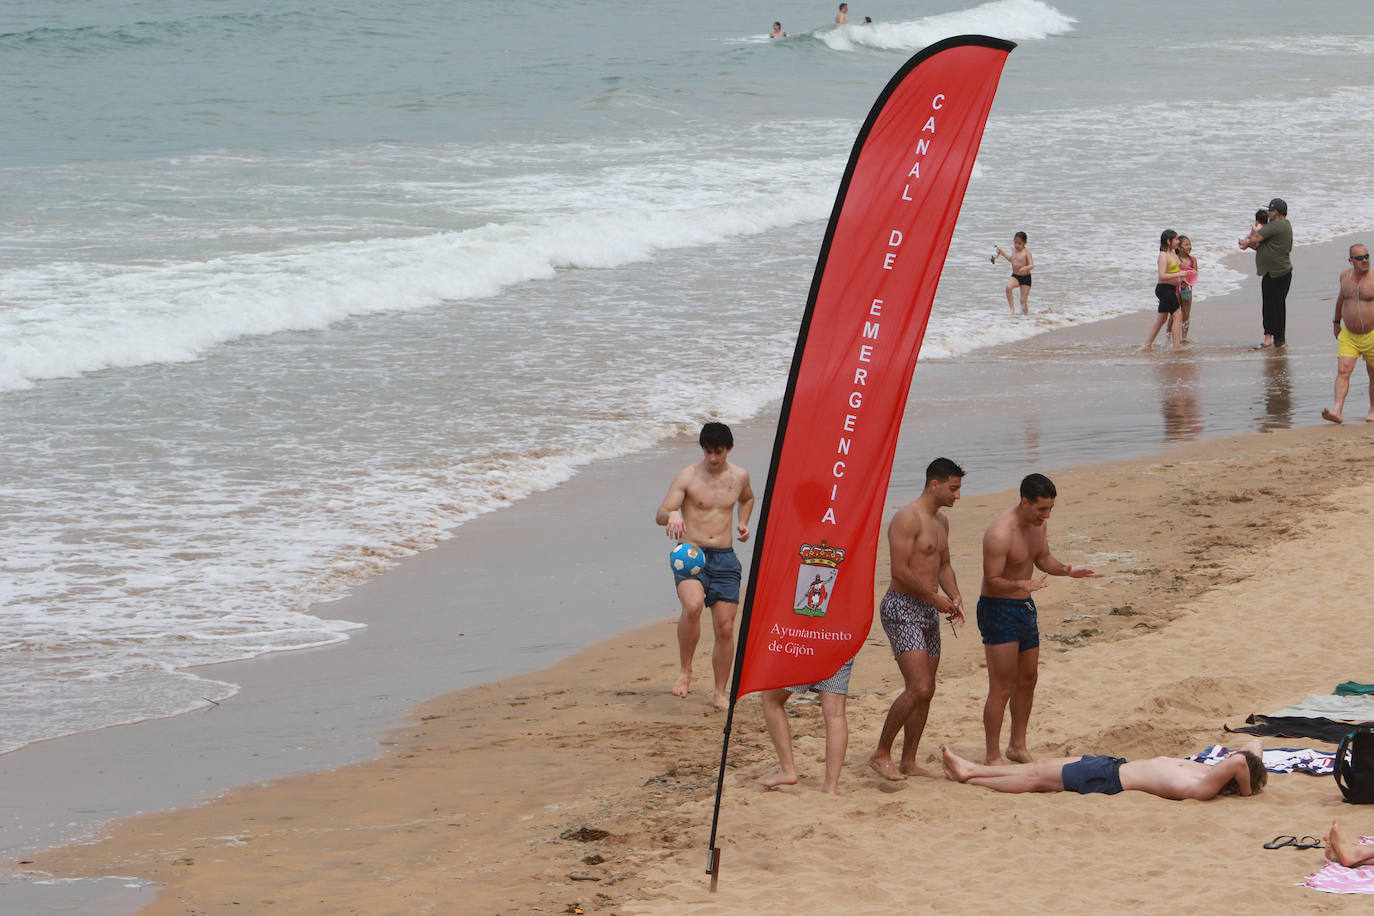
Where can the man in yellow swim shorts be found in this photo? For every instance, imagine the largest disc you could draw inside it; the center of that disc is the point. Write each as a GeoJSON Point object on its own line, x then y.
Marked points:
{"type": "Point", "coordinates": [1354, 310]}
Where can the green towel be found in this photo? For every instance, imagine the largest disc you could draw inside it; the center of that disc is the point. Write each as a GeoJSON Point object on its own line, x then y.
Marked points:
{"type": "Point", "coordinates": [1352, 689]}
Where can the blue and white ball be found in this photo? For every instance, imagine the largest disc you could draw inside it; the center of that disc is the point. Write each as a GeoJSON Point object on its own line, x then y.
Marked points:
{"type": "Point", "coordinates": [687, 559]}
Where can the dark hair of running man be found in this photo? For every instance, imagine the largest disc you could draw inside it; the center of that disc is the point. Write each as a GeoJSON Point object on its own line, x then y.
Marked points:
{"type": "Point", "coordinates": [716, 435]}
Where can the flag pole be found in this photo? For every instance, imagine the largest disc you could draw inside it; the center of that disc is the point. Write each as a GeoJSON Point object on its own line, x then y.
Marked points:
{"type": "Point", "coordinates": [713, 852]}
{"type": "Point", "coordinates": [779, 438]}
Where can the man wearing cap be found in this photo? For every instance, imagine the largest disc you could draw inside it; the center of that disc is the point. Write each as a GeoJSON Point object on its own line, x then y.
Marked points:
{"type": "Point", "coordinates": [1273, 242]}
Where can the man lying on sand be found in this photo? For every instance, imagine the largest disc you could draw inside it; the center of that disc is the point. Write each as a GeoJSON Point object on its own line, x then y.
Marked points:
{"type": "Point", "coordinates": [1348, 851]}
{"type": "Point", "coordinates": [1240, 772]}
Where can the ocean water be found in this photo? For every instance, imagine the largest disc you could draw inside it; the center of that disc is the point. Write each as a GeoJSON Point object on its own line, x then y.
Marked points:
{"type": "Point", "coordinates": [288, 292]}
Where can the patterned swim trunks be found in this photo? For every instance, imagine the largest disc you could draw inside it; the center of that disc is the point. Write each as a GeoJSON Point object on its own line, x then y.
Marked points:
{"type": "Point", "coordinates": [910, 624]}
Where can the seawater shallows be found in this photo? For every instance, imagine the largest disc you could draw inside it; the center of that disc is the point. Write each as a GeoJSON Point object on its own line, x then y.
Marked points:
{"type": "Point", "coordinates": [286, 294]}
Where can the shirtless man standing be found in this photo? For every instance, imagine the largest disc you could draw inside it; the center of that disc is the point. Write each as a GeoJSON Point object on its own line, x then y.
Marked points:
{"type": "Point", "coordinates": [1240, 772]}
{"type": "Point", "coordinates": [1354, 307]}
{"type": "Point", "coordinates": [910, 611]}
{"type": "Point", "coordinates": [842, 17]}
{"type": "Point", "coordinates": [699, 508]}
{"type": "Point", "coordinates": [1014, 545]}
{"type": "Point", "coordinates": [1021, 266]}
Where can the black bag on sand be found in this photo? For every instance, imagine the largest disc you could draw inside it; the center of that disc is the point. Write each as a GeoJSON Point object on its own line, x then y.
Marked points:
{"type": "Point", "coordinates": [1354, 768]}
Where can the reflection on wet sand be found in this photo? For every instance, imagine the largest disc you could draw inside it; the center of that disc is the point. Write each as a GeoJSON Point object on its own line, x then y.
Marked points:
{"type": "Point", "coordinates": [1278, 391]}
{"type": "Point", "coordinates": [1032, 430]}
{"type": "Point", "coordinates": [1178, 397]}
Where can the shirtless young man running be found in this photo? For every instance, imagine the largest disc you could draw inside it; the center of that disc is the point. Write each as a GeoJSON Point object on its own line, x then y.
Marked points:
{"type": "Point", "coordinates": [1014, 546]}
{"type": "Point", "coordinates": [910, 611]}
{"type": "Point", "coordinates": [699, 508]}
{"type": "Point", "coordinates": [1241, 772]}
{"type": "Point", "coordinates": [1354, 308]}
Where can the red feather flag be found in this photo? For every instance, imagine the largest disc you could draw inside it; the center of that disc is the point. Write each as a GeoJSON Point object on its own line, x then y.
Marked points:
{"type": "Point", "coordinates": [810, 598]}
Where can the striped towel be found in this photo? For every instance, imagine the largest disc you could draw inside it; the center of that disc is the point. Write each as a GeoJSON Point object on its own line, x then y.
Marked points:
{"type": "Point", "coordinates": [1335, 878]}
{"type": "Point", "coordinates": [1279, 759]}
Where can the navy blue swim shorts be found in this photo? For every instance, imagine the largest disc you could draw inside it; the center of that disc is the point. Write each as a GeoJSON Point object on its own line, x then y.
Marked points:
{"type": "Point", "coordinates": [720, 578]}
{"type": "Point", "coordinates": [1093, 774]}
{"type": "Point", "coordinates": [1003, 620]}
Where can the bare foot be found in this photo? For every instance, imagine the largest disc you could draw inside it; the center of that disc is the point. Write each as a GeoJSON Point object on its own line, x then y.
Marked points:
{"type": "Point", "coordinates": [1333, 417]}
{"type": "Point", "coordinates": [1348, 851]}
{"type": "Point", "coordinates": [721, 701]}
{"type": "Point", "coordinates": [997, 761]}
{"type": "Point", "coordinates": [780, 778]}
{"type": "Point", "coordinates": [956, 767]}
{"type": "Point", "coordinates": [1332, 841]}
{"type": "Point", "coordinates": [1369, 419]}
{"type": "Point", "coordinates": [683, 681]}
{"type": "Point", "coordinates": [1147, 348]}
{"type": "Point", "coordinates": [1019, 755]}
{"type": "Point", "coordinates": [885, 768]}
{"type": "Point", "coordinates": [911, 769]}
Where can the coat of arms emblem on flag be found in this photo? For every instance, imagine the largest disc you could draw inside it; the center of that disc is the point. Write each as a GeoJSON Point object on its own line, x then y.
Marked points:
{"type": "Point", "coordinates": [820, 567]}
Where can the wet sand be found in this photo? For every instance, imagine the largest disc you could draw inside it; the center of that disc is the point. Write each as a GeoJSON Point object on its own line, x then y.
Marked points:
{"type": "Point", "coordinates": [506, 760]}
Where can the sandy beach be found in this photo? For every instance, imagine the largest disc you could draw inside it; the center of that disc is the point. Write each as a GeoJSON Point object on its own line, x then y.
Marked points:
{"type": "Point", "coordinates": [1224, 589]}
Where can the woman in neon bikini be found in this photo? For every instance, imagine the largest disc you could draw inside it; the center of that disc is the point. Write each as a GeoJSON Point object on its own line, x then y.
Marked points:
{"type": "Point", "coordinates": [1169, 273]}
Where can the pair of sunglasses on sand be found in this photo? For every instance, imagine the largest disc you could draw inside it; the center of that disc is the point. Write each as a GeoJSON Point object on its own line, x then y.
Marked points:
{"type": "Point", "coordinates": [1307, 842]}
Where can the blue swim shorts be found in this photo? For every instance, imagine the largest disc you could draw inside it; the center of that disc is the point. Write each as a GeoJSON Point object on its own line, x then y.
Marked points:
{"type": "Point", "coordinates": [1093, 774]}
{"type": "Point", "coordinates": [836, 683]}
{"type": "Point", "coordinates": [1003, 620]}
{"type": "Point", "coordinates": [720, 577]}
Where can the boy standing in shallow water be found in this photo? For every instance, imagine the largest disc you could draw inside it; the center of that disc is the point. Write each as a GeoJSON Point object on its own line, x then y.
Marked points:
{"type": "Point", "coordinates": [1021, 266]}
{"type": "Point", "coordinates": [699, 508]}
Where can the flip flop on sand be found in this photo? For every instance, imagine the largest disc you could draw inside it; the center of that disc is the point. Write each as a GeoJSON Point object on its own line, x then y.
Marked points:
{"type": "Point", "coordinates": [1279, 842]}
{"type": "Point", "coordinates": [1305, 844]}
